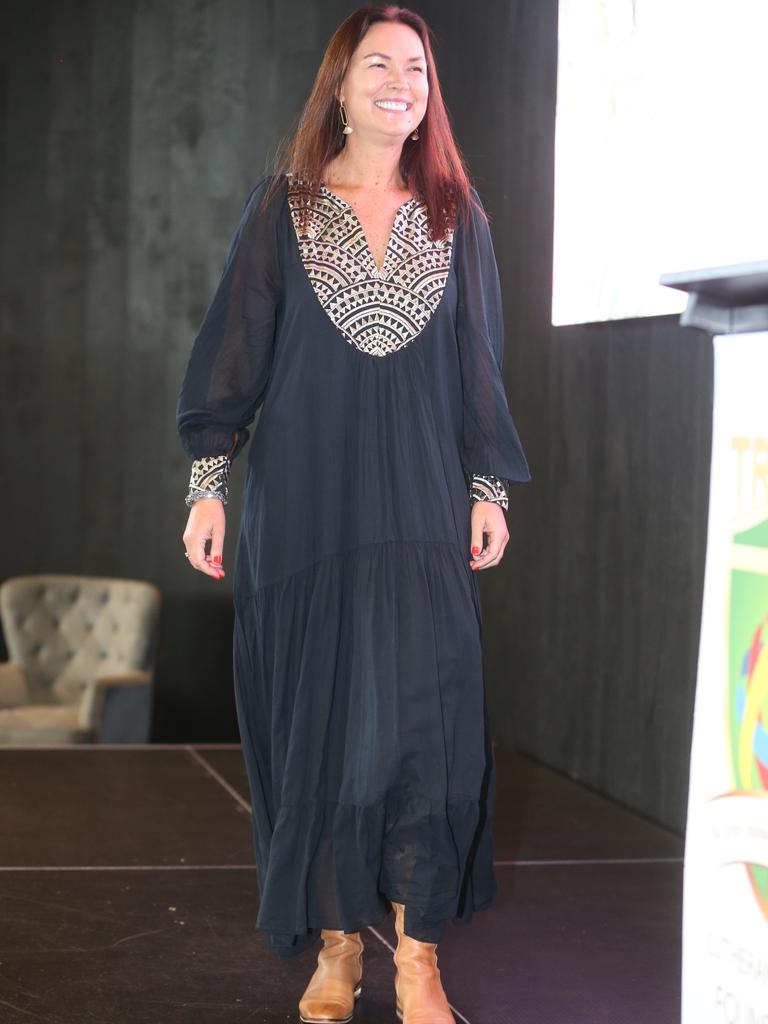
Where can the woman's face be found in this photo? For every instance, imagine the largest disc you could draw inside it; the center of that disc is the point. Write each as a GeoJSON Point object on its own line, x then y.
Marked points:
{"type": "Point", "coordinates": [385, 88]}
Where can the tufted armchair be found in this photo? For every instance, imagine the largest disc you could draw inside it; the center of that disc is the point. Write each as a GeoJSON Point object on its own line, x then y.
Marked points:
{"type": "Point", "coordinates": [82, 650]}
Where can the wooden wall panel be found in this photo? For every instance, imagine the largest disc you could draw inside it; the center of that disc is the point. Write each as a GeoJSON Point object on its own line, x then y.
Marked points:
{"type": "Point", "coordinates": [26, 425]}
{"type": "Point", "coordinates": [105, 169]}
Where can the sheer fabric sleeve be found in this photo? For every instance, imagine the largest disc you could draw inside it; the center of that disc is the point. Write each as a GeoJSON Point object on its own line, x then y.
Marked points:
{"type": "Point", "coordinates": [490, 445]}
{"type": "Point", "coordinates": [229, 366]}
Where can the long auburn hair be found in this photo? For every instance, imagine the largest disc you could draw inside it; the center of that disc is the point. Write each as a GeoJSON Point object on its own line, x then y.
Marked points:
{"type": "Point", "coordinates": [432, 167]}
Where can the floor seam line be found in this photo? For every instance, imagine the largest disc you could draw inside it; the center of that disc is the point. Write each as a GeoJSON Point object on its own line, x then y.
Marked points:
{"type": "Point", "coordinates": [218, 777]}
{"type": "Point", "coordinates": [127, 867]}
{"type": "Point", "coordinates": [251, 867]}
{"type": "Point", "coordinates": [587, 860]}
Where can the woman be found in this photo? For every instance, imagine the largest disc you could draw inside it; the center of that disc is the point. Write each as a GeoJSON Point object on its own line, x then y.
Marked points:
{"type": "Point", "coordinates": [359, 309]}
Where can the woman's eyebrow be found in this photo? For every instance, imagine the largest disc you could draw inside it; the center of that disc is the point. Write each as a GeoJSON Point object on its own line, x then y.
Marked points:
{"type": "Point", "coordinates": [386, 57]}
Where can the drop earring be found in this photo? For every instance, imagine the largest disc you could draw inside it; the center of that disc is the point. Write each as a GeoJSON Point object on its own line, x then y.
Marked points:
{"type": "Point", "coordinates": [347, 129]}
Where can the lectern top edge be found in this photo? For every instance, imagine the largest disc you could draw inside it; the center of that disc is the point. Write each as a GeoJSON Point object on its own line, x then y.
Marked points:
{"type": "Point", "coordinates": [739, 284]}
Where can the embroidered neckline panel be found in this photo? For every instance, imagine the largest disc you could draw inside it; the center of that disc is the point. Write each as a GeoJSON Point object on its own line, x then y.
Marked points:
{"type": "Point", "coordinates": [377, 310]}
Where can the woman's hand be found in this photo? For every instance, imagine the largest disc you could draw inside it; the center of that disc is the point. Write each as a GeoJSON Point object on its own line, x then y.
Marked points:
{"type": "Point", "coordinates": [206, 520]}
{"type": "Point", "coordinates": [488, 517]}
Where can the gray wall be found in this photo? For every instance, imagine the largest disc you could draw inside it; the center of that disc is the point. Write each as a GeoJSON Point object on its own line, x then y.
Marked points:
{"type": "Point", "coordinates": [131, 135]}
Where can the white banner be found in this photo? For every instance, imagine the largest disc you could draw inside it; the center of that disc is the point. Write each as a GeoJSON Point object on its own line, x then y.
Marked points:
{"type": "Point", "coordinates": [725, 900]}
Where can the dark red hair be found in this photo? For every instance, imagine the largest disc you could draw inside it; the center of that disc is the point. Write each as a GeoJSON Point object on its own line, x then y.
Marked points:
{"type": "Point", "coordinates": [432, 167]}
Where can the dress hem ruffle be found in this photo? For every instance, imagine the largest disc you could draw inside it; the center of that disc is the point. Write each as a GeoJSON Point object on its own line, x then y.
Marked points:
{"type": "Point", "coordinates": [350, 862]}
{"type": "Point", "coordinates": [287, 945]}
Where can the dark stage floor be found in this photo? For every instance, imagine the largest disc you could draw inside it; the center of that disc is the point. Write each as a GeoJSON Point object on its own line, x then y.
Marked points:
{"type": "Point", "coordinates": [128, 894]}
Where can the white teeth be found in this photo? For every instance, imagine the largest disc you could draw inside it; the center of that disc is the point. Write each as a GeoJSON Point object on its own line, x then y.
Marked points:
{"type": "Point", "coordinates": [391, 105]}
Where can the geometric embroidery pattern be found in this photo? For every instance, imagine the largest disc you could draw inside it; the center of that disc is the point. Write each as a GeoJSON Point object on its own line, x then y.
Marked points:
{"type": "Point", "coordinates": [209, 478]}
{"type": "Point", "coordinates": [489, 488]}
{"type": "Point", "coordinates": [377, 310]}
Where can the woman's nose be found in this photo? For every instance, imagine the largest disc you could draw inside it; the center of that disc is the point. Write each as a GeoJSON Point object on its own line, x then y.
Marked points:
{"type": "Point", "coordinates": [397, 79]}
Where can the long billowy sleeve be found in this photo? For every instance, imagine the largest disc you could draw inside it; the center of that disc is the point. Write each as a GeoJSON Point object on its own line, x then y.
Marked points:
{"type": "Point", "coordinates": [491, 452]}
{"type": "Point", "coordinates": [229, 366]}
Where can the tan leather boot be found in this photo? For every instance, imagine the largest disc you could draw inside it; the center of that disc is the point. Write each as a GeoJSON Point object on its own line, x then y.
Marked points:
{"type": "Point", "coordinates": [332, 990]}
{"type": "Point", "coordinates": [418, 989]}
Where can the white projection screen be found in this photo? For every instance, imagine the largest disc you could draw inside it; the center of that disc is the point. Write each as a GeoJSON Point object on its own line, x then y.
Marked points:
{"type": "Point", "coordinates": [661, 149]}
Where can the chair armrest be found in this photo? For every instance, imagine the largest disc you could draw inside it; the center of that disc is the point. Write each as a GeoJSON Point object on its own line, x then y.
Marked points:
{"type": "Point", "coordinates": [92, 700]}
{"type": "Point", "coordinates": [13, 685]}
{"type": "Point", "coordinates": [132, 678]}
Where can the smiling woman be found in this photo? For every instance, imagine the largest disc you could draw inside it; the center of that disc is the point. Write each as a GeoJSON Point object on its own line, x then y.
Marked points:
{"type": "Point", "coordinates": [359, 308]}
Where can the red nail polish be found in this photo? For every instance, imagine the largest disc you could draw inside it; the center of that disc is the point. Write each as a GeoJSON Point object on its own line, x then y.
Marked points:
{"type": "Point", "coordinates": [217, 558]}
{"type": "Point", "coordinates": [475, 550]}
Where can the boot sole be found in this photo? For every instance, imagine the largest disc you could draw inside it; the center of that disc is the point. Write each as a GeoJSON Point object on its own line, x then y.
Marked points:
{"type": "Point", "coordinates": [399, 1012]}
{"type": "Point", "coordinates": [333, 1020]}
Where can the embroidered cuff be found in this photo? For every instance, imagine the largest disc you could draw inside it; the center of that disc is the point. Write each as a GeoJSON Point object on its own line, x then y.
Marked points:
{"type": "Point", "coordinates": [489, 488]}
{"type": "Point", "coordinates": [209, 479]}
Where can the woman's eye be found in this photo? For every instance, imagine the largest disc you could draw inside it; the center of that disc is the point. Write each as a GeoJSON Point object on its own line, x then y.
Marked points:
{"type": "Point", "coordinates": [415, 67]}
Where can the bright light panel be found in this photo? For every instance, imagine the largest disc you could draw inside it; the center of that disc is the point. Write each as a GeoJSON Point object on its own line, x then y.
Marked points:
{"type": "Point", "coordinates": [661, 151]}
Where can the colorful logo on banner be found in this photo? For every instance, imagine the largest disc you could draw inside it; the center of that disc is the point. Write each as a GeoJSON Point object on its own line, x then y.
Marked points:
{"type": "Point", "coordinates": [748, 678]}
{"type": "Point", "coordinates": [725, 901]}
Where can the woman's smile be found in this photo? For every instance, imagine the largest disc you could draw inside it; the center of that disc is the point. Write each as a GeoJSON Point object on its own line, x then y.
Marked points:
{"type": "Point", "coordinates": [397, 105]}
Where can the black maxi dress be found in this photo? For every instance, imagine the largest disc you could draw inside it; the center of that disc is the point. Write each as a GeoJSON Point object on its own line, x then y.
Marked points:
{"type": "Point", "coordinates": [358, 665]}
